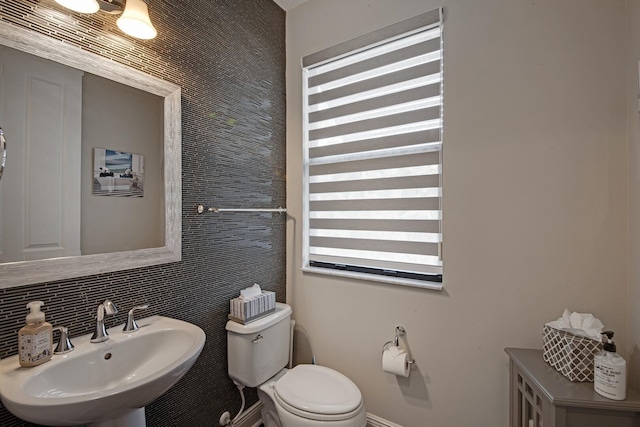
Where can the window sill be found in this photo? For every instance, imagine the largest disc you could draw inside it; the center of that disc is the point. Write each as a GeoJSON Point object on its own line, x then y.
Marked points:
{"type": "Point", "coordinates": [434, 286]}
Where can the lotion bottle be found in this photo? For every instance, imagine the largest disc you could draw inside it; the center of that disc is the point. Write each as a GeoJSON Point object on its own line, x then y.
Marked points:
{"type": "Point", "coordinates": [610, 370]}
{"type": "Point", "coordinates": [36, 338]}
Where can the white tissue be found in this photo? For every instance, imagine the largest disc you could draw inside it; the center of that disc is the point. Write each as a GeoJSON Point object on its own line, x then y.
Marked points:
{"type": "Point", "coordinates": [583, 324]}
{"type": "Point", "coordinates": [251, 292]}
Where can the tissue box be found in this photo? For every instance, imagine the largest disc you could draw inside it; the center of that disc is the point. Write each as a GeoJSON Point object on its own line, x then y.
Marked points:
{"type": "Point", "coordinates": [569, 354]}
{"type": "Point", "coordinates": [247, 310]}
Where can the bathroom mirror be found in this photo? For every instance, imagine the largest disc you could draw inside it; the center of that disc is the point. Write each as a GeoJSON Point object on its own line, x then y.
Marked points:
{"type": "Point", "coordinates": [166, 180]}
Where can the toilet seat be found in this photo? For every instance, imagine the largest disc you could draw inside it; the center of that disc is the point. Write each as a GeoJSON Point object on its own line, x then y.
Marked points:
{"type": "Point", "coordinates": [318, 393]}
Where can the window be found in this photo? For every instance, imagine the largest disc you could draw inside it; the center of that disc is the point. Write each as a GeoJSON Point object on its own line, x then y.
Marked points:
{"type": "Point", "coordinates": [372, 156]}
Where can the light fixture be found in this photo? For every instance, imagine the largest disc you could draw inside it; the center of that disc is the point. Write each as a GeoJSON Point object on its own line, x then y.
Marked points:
{"type": "Point", "coordinates": [81, 6]}
{"type": "Point", "coordinates": [113, 7]}
{"type": "Point", "coordinates": [135, 20]}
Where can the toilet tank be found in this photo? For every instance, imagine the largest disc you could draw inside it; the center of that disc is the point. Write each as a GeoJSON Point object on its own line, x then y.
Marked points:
{"type": "Point", "coordinates": [259, 350]}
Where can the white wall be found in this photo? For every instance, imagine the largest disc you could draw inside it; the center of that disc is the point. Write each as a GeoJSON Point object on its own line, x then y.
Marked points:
{"type": "Point", "coordinates": [633, 130]}
{"type": "Point", "coordinates": [535, 202]}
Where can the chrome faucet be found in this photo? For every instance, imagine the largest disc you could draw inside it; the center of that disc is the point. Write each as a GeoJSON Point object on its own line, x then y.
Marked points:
{"type": "Point", "coordinates": [109, 308]}
{"type": "Point", "coordinates": [131, 325]}
{"type": "Point", "coordinates": [64, 345]}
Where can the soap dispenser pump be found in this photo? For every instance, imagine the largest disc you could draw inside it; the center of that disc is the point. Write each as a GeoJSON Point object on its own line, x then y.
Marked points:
{"type": "Point", "coordinates": [610, 370]}
{"type": "Point", "coordinates": [36, 338]}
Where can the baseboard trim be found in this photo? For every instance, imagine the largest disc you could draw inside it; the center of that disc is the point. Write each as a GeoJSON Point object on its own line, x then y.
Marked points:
{"type": "Point", "coordinates": [375, 421]}
{"type": "Point", "coordinates": [251, 417]}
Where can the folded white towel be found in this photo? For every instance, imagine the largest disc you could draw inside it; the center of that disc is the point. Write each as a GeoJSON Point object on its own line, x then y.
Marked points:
{"type": "Point", "coordinates": [582, 324]}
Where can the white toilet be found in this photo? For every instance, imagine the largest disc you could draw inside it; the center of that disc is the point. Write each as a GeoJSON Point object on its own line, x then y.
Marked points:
{"type": "Point", "coordinates": [305, 396]}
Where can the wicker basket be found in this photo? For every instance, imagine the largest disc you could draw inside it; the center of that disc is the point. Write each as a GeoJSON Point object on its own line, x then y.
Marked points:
{"type": "Point", "coordinates": [570, 354]}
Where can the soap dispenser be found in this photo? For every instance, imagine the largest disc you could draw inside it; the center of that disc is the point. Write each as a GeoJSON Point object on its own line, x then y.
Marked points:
{"type": "Point", "coordinates": [36, 338]}
{"type": "Point", "coordinates": [610, 370]}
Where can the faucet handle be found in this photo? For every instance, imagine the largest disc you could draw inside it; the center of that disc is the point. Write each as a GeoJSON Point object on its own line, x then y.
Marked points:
{"type": "Point", "coordinates": [109, 307]}
{"type": "Point", "coordinates": [131, 325]}
{"type": "Point", "coordinates": [64, 345]}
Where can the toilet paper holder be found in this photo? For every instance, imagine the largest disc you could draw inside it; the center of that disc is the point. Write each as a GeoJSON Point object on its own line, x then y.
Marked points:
{"type": "Point", "coordinates": [396, 341]}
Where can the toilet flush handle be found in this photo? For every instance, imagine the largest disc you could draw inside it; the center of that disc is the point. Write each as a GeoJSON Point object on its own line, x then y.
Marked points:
{"type": "Point", "coordinates": [258, 338]}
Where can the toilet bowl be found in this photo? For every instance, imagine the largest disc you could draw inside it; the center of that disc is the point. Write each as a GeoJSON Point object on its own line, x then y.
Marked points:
{"type": "Point", "coordinates": [311, 395]}
{"type": "Point", "coordinates": [304, 396]}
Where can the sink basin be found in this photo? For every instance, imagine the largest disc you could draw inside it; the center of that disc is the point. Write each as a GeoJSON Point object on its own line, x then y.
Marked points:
{"type": "Point", "coordinates": [102, 382]}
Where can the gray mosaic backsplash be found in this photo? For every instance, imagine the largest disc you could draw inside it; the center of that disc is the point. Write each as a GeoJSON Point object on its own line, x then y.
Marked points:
{"type": "Point", "coordinates": [229, 58]}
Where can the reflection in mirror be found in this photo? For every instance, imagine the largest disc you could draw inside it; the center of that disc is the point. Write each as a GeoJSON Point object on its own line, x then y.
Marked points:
{"type": "Point", "coordinates": [58, 117]}
{"type": "Point", "coordinates": [3, 152]}
{"type": "Point", "coordinates": [124, 211]}
{"type": "Point", "coordinates": [94, 180]}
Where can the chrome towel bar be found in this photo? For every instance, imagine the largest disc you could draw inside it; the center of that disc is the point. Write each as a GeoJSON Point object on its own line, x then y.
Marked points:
{"type": "Point", "coordinates": [202, 209]}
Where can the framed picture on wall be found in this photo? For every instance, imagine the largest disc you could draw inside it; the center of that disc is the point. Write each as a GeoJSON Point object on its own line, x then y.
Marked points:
{"type": "Point", "coordinates": [117, 173]}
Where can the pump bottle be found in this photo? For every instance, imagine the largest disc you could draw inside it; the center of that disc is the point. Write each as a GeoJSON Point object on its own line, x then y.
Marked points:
{"type": "Point", "coordinates": [36, 338]}
{"type": "Point", "coordinates": [610, 370]}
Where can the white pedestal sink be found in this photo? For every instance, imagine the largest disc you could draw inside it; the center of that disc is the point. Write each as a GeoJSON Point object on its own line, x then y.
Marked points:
{"type": "Point", "coordinates": [103, 384]}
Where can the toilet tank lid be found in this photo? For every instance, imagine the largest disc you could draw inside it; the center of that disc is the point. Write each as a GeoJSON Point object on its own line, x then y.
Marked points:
{"type": "Point", "coordinates": [282, 311]}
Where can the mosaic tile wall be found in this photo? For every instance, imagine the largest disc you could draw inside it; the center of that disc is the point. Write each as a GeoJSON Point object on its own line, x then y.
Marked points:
{"type": "Point", "coordinates": [229, 58]}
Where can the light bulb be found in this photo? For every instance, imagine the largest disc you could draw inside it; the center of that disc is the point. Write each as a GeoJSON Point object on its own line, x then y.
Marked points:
{"type": "Point", "coordinates": [81, 6]}
{"type": "Point", "coordinates": [135, 20]}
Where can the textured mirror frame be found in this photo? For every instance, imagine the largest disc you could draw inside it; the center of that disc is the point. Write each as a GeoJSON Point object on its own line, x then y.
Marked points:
{"type": "Point", "coordinates": [30, 272]}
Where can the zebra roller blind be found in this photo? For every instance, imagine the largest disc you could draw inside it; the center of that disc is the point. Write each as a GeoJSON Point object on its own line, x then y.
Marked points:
{"type": "Point", "coordinates": [373, 140]}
